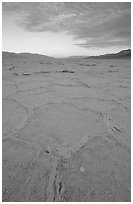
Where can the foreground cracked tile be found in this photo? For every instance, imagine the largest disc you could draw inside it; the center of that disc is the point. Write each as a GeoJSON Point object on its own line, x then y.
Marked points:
{"type": "Point", "coordinates": [57, 125]}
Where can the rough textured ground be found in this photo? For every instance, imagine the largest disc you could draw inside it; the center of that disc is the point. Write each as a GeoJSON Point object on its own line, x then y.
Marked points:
{"type": "Point", "coordinates": [66, 130]}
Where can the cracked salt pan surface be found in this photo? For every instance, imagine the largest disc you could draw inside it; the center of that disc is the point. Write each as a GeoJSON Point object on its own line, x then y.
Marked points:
{"type": "Point", "coordinates": [55, 123]}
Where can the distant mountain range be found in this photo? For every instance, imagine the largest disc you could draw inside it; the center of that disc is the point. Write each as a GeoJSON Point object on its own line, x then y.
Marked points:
{"type": "Point", "coordinates": [120, 55]}
{"type": "Point", "coordinates": [13, 55]}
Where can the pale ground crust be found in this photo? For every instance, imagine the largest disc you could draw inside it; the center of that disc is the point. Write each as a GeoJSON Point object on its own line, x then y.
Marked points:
{"type": "Point", "coordinates": [66, 130]}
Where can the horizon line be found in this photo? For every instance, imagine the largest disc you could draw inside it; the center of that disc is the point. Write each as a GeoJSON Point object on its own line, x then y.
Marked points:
{"type": "Point", "coordinates": [66, 56]}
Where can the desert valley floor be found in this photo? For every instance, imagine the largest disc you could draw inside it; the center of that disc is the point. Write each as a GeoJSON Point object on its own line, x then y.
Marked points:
{"type": "Point", "coordinates": [66, 129]}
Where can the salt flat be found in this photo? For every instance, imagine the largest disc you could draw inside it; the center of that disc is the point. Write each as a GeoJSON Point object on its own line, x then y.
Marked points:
{"type": "Point", "coordinates": [66, 130]}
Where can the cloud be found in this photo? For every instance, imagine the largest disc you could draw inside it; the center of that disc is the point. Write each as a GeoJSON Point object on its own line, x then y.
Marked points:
{"type": "Point", "coordinates": [113, 32]}
{"type": "Point", "coordinates": [99, 24]}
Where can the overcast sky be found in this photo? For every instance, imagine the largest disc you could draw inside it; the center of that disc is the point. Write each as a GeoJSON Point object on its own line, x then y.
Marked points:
{"type": "Point", "coordinates": [66, 29]}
